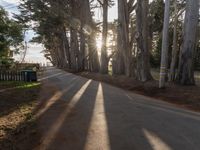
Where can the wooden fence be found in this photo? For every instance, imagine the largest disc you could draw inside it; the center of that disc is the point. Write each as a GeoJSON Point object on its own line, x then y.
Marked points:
{"type": "Point", "coordinates": [13, 76]}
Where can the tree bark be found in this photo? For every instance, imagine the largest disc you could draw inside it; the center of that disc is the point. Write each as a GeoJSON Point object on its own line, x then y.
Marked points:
{"type": "Point", "coordinates": [175, 47]}
{"type": "Point", "coordinates": [66, 48]}
{"type": "Point", "coordinates": [88, 23]}
{"type": "Point", "coordinates": [143, 64]}
{"type": "Point", "coordinates": [74, 48]}
{"type": "Point", "coordinates": [123, 57]}
{"type": "Point", "coordinates": [104, 57]}
{"type": "Point", "coordinates": [165, 42]}
{"type": "Point", "coordinates": [186, 70]}
{"type": "Point", "coordinates": [82, 50]}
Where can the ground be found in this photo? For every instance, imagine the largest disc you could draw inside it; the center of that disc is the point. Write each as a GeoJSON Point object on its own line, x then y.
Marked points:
{"type": "Point", "coordinates": [77, 113]}
{"type": "Point", "coordinates": [17, 124]}
{"type": "Point", "coordinates": [183, 96]}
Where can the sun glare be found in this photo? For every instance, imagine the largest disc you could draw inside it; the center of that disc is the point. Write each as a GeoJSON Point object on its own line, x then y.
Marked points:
{"type": "Point", "coordinates": [98, 43]}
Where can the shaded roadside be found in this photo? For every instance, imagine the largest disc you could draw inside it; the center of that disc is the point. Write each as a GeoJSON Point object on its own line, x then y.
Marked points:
{"type": "Point", "coordinates": [17, 122]}
{"type": "Point", "coordinates": [183, 96]}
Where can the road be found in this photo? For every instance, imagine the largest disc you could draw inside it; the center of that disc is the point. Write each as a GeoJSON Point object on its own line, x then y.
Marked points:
{"type": "Point", "coordinates": [76, 113]}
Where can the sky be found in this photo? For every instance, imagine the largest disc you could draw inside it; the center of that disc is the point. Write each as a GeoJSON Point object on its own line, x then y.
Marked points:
{"type": "Point", "coordinates": [34, 50]}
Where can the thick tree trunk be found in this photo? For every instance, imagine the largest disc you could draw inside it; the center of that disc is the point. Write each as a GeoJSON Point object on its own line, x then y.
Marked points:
{"type": "Point", "coordinates": [165, 42]}
{"type": "Point", "coordinates": [74, 48]}
{"type": "Point", "coordinates": [66, 48]}
{"type": "Point", "coordinates": [93, 54]}
{"type": "Point", "coordinates": [175, 48]}
{"type": "Point", "coordinates": [186, 71]}
{"type": "Point", "coordinates": [59, 60]}
{"type": "Point", "coordinates": [118, 63]}
{"type": "Point", "coordinates": [117, 59]}
{"type": "Point", "coordinates": [104, 57]}
{"type": "Point", "coordinates": [143, 64]}
{"type": "Point", "coordinates": [82, 51]}
{"type": "Point", "coordinates": [87, 37]}
{"type": "Point", "coordinates": [123, 57]}
{"type": "Point", "coordinates": [59, 50]}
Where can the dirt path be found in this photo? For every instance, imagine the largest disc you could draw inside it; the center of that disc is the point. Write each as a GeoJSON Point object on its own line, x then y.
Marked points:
{"type": "Point", "coordinates": [80, 114]}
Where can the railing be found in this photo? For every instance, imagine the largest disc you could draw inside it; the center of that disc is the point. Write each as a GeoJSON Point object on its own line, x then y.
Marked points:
{"type": "Point", "coordinates": [12, 76]}
{"type": "Point", "coordinates": [18, 76]}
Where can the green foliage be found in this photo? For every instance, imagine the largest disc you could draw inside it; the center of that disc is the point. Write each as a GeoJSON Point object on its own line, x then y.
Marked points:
{"type": "Point", "coordinates": [19, 84]}
{"type": "Point", "coordinates": [11, 34]}
{"type": "Point", "coordinates": [156, 14]}
{"type": "Point", "coordinates": [6, 63]}
{"type": "Point", "coordinates": [155, 56]}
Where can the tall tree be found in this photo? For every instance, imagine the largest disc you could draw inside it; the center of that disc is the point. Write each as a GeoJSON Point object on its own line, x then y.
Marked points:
{"type": "Point", "coordinates": [11, 34]}
{"type": "Point", "coordinates": [104, 56]}
{"type": "Point", "coordinates": [119, 62]}
{"type": "Point", "coordinates": [165, 40]}
{"type": "Point", "coordinates": [186, 71]}
{"type": "Point", "coordinates": [94, 63]}
{"type": "Point", "coordinates": [143, 64]}
{"type": "Point", "coordinates": [123, 34]}
{"type": "Point", "coordinates": [123, 57]}
{"type": "Point", "coordinates": [175, 47]}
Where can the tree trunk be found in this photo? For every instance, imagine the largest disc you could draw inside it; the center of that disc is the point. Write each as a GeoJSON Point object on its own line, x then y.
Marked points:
{"type": "Point", "coordinates": [93, 54]}
{"type": "Point", "coordinates": [123, 56]}
{"type": "Point", "coordinates": [165, 42]}
{"type": "Point", "coordinates": [74, 48]}
{"type": "Point", "coordinates": [143, 64]}
{"type": "Point", "coordinates": [186, 70]}
{"type": "Point", "coordinates": [82, 50]}
{"type": "Point", "coordinates": [104, 57]}
{"type": "Point", "coordinates": [66, 48]}
{"type": "Point", "coordinates": [175, 48]}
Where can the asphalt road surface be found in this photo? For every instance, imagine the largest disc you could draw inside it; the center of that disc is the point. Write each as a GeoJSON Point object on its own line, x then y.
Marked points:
{"type": "Point", "coordinates": [81, 114]}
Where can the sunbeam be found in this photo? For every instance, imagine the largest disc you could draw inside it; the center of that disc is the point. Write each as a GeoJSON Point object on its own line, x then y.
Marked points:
{"type": "Point", "coordinates": [98, 131]}
{"type": "Point", "coordinates": [48, 138]}
{"type": "Point", "coordinates": [53, 100]}
{"type": "Point", "coordinates": [155, 141]}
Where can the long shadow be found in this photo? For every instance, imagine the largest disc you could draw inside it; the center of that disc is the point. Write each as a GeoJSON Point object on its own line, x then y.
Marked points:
{"type": "Point", "coordinates": [23, 136]}
{"type": "Point", "coordinates": [50, 116]}
{"type": "Point", "coordinates": [132, 126]}
{"type": "Point", "coordinates": [14, 99]}
{"type": "Point", "coordinates": [27, 135]}
{"type": "Point", "coordinates": [47, 93]}
{"type": "Point", "coordinates": [121, 135]}
{"type": "Point", "coordinates": [73, 133]}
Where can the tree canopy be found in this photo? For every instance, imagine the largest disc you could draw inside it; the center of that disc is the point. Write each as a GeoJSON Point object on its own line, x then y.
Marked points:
{"type": "Point", "coordinates": [11, 34]}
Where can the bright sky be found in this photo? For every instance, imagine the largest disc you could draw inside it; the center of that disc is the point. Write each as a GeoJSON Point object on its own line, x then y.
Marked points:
{"type": "Point", "coordinates": [34, 50]}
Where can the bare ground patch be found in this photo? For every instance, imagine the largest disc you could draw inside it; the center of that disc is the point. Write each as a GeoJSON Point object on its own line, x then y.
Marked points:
{"type": "Point", "coordinates": [18, 128]}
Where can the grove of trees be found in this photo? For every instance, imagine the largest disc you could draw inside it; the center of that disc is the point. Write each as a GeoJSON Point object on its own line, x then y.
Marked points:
{"type": "Point", "coordinates": [147, 34]}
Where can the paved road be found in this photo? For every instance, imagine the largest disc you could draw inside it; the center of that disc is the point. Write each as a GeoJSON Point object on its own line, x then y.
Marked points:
{"type": "Point", "coordinates": [81, 114]}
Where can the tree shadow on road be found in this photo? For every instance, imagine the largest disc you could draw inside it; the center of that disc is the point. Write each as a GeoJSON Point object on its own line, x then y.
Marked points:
{"type": "Point", "coordinates": [73, 130]}
{"type": "Point", "coordinates": [132, 126]}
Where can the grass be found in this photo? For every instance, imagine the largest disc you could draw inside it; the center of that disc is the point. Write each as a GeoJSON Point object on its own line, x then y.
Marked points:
{"type": "Point", "coordinates": [17, 84]}
{"type": "Point", "coordinates": [17, 122]}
